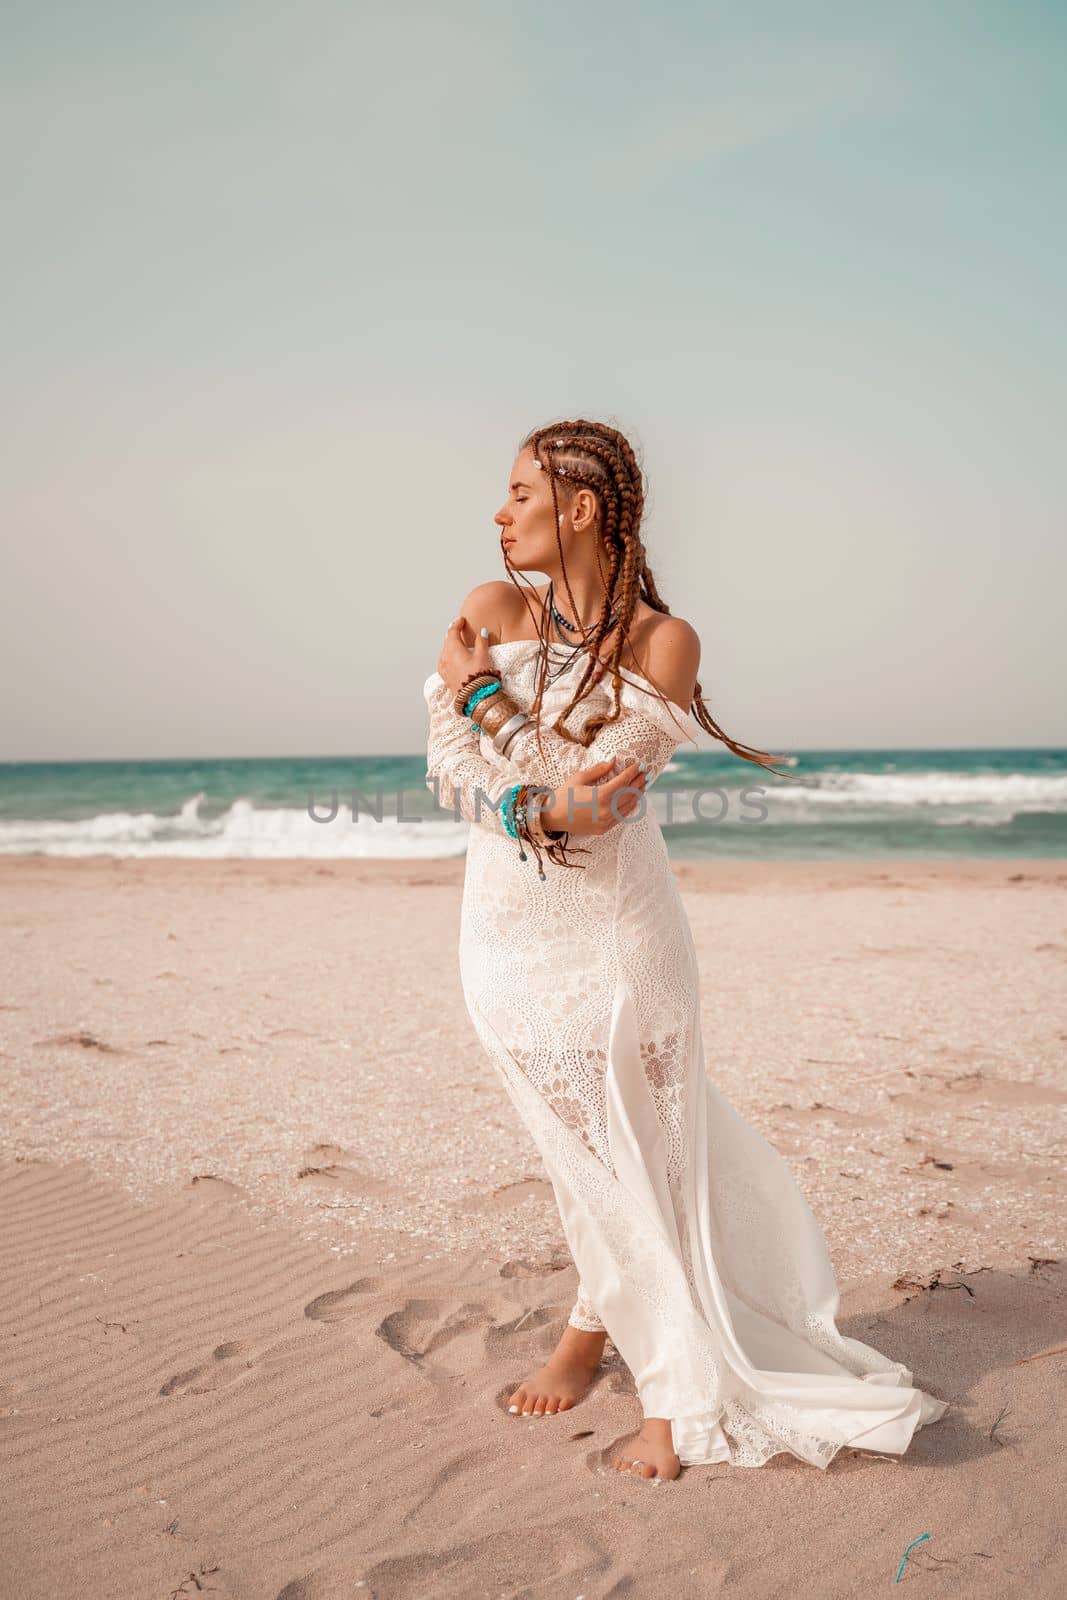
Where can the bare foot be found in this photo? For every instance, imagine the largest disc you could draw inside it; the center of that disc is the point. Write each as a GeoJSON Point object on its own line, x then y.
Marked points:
{"type": "Point", "coordinates": [650, 1453]}
{"type": "Point", "coordinates": [563, 1379]}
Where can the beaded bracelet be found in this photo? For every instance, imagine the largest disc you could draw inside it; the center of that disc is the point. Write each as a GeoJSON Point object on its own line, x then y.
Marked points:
{"type": "Point", "coordinates": [473, 681]}
{"type": "Point", "coordinates": [522, 825]}
{"type": "Point", "coordinates": [507, 810]}
{"type": "Point", "coordinates": [518, 824]}
{"type": "Point", "coordinates": [481, 694]}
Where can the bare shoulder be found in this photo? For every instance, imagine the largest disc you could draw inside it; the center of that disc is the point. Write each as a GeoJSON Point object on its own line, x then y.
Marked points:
{"type": "Point", "coordinates": [519, 610]}
{"type": "Point", "coordinates": [671, 652]}
{"type": "Point", "coordinates": [487, 605]}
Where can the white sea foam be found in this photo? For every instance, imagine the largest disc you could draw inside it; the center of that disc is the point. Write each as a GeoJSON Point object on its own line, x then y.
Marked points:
{"type": "Point", "coordinates": [946, 799]}
{"type": "Point", "coordinates": [244, 830]}
{"type": "Point", "coordinates": [1020, 791]}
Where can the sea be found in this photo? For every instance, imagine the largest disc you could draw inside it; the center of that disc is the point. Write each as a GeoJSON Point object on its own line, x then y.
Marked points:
{"type": "Point", "coordinates": [828, 805]}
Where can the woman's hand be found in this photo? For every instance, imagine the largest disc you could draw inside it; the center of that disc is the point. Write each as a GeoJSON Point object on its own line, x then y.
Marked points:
{"type": "Point", "coordinates": [457, 661]}
{"type": "Point", "coordinates": [591, 792]}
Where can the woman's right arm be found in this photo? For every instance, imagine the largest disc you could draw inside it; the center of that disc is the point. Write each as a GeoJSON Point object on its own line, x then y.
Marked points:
{"type": "Point", "coordinates": [461, 778]}
{"type": "Point", "coordinates": [465, 782]}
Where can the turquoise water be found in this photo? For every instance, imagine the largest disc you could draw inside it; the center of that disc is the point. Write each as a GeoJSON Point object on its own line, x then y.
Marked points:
{"type": "Point", "coordinates": [835, 804]}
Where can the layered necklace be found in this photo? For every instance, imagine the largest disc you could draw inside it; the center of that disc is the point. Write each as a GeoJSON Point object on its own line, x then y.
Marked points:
{"type": "Point", "coordinates": [571, 628]}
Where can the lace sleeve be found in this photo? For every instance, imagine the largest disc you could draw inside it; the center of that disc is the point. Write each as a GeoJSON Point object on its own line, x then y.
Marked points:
{"type": "Point", "coordinates": [646, 730]}
{"type": "Point", "coordinates": [460, 776]}
{"type": "Point", "coordinates": [463, 780]}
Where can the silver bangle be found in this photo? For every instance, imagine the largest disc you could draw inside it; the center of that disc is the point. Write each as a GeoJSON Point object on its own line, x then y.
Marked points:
{"type": "Point", "coordinates": [504, 735]}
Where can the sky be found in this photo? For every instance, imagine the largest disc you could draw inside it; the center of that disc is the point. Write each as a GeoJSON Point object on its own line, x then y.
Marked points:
{"type": "Point", "coordinates": [286, 286]}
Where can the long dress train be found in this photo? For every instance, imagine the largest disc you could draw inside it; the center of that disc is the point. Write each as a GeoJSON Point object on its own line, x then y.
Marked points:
{"type": "Point", "coordinates": [694, 1244]}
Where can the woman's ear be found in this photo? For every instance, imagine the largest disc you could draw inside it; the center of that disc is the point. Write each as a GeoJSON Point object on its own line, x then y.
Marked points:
{"type": "Point", "coordinates": [585, 507]}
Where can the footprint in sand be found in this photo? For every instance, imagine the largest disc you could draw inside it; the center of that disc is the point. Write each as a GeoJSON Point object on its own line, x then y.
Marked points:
{"type": "Point", "coordinates": [525, 1268]}
{"type": "Point", "coordinates": [331, 1168]}
{"type": "Point", "coordinates": [328, 1583]}
{"type": "Point", "coordinates": [234, 1360]}
{"type": "Point", "coordinates": [514, 1194]}
{"type": "Point", "coordinates": [337, 1304]}
{"type": "Point", "coordinates": [571, 1562]}
{"type": "Point", "coordinates": [228, 1363]}
{"type": "Point", "coordinates": [533, 1332]}
{"type": "Point", "coordinates": [436, 1338]}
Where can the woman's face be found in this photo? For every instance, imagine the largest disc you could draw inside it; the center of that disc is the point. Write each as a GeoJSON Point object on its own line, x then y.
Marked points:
{"type": "Point", "coordinates": [527, 518]}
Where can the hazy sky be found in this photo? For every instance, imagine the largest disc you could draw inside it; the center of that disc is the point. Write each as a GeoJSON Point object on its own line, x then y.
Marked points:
{"type": "Point", "coordinates": [285, 286]}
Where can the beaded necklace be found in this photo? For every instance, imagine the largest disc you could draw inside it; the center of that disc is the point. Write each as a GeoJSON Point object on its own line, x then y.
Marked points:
{"type": "Point", "coordinates": [561, 623]}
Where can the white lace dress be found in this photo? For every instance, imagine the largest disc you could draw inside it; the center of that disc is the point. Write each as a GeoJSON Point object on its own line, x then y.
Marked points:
{"type": "Point", "coordinates": [694, 1244]}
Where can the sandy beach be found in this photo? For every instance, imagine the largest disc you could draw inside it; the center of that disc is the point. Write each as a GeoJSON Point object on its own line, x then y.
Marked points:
{"type": "Point", "coordinates": [275, 1247]}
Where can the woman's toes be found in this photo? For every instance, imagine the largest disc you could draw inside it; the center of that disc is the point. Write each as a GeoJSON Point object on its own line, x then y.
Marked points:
{"type": "Point", "coordinates": [552, 1407]}
{"type": "Point", "coordinates": [517, 1401]}
{"type": "Point", "coordinates": [566, 1404]}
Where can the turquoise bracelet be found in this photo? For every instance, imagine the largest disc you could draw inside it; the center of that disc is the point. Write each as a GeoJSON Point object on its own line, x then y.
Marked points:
{"type": "Point", "coordinates": [507, 810]}
{"type": "Point", "coordinates": [481, 694]}
{"type": "Point", "coordinates": [514, 817]}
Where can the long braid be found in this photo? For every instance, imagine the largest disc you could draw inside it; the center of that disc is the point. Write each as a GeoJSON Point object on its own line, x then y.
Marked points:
{"type": "Point", "coordinates": [601, 458]}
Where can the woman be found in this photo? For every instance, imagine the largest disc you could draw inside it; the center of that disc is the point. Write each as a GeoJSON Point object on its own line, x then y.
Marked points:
{"type": "Point", "coordinates": [695, 1248]}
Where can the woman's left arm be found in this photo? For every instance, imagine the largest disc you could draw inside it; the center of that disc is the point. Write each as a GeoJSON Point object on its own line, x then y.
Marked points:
{"type": "Point", "coordinates": [649, 730]}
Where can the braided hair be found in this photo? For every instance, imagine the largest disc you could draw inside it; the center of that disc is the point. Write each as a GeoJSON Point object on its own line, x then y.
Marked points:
{"type": "Point", "coordinates": [595, 456]}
